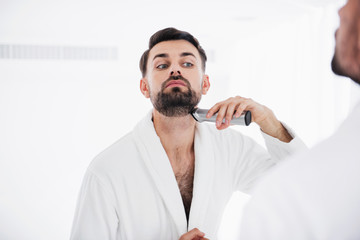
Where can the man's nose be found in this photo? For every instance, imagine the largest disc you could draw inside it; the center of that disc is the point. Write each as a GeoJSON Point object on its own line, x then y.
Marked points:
{"type": "Point", "coordinates": [175, 73]}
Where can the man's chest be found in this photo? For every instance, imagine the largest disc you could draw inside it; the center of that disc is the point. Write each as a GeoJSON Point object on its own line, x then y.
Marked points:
{"type": "Point", "coordinates": [185, 182]}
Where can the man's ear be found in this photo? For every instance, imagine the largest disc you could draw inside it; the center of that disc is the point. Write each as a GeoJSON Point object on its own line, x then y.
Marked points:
{"type": "Point", "coordinates": [205, 84]}
{"type": "Point", "coordinates": [144, 87]}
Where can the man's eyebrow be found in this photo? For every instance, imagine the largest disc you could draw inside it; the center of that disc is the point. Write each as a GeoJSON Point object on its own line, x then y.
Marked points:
{"type": "Point", "coordinates": [184, 54]}
{"type": "Point", "coordinates": [161, 55]}
{"type": "Point", "coordinates": [165, 55]}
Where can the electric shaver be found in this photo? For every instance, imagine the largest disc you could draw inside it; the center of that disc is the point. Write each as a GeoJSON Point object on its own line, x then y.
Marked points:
{"type": "Point", "coordinates": [200, 116]}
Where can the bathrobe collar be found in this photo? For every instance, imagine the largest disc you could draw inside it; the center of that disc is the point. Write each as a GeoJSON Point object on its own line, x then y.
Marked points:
{"type": "Point", "coordinates": [160, 169]}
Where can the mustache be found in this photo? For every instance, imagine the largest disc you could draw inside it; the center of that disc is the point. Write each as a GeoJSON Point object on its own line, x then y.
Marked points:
{"type": "Point", "coordinates": [178, 77]}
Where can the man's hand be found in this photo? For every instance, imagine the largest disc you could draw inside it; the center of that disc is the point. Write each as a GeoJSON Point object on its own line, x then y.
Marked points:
{"type": "Point", "coordinates": [194, 234]}
{"type": "Point", "coordinates": [260, 114]}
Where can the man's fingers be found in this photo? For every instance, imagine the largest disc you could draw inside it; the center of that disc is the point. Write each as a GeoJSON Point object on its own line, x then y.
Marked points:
{"type": "Point", "coordinates": [193, 234]}
{"type": "Point", "coordinates": [240, 109]}
{"type": "Point", "coordinates": [232, 107]}
{"type": "Point", "coordinates": [213, 110]}
{"type": "Point", "coordinates": [230, 113]}
{"type": "Point", "coordinates": [220, 115]}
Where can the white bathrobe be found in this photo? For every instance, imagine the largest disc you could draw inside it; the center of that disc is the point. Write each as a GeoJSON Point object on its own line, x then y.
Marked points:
{"type": "Point", "coordinates": [130, 191]}
{"type": "Point", "coordinates": [313, 196]}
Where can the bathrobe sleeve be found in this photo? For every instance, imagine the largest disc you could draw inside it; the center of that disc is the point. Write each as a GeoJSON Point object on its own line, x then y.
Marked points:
{"type": "Point", "coordinates": [95, 216]}
{"type": "Point", "coordinates": [251, 160]}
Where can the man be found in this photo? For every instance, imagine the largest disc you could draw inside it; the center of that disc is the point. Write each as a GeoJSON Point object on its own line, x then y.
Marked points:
{"type": "Point", "coordinates": [170, 178]}
{"type": "Point", "coordinates": [317, 194]}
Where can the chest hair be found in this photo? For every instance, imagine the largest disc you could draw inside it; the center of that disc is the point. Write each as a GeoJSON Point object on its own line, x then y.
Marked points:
{"type": "Point", "coordinates": [185, 182]}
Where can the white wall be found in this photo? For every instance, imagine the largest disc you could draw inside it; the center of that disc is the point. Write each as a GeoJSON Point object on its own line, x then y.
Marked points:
{"type": "Point", "coordinates": [57, 114]}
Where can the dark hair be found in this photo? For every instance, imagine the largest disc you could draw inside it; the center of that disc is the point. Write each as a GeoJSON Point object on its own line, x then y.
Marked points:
{"type": "Point", "coordinates": [169, 34]}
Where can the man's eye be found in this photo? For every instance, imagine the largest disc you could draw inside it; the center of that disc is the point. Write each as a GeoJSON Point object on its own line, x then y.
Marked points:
{"type": "Point", "coordinates": [187, 64]}
{"type": "Point", "coordinates": [162, 66]}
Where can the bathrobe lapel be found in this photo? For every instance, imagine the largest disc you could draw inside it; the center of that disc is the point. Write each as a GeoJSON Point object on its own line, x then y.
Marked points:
{"type": "Point", "coordinates": [203, 180]}
{"type": "Point", "coordinates": [158, 164]}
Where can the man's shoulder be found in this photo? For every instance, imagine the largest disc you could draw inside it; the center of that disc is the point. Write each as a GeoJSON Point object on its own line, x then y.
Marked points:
{"type": "Point", "coordinates": [124, 153]}
{"type": "Point", "coordinates": [116, 154]}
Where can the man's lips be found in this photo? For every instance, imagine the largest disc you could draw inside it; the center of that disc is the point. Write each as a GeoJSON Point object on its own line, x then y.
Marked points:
{"type": "Point", "coordinates": [175, 83]}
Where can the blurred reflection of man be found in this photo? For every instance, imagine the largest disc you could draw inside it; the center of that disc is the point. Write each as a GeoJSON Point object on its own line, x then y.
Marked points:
{"type": "Point", "coordinates": [317, 195]}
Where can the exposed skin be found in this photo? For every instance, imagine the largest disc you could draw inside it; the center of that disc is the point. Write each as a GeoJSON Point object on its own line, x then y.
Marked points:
{"type": "Point", "coordinates": [194, 234]}
{"type": "Point", "coordinates": [179, 57]}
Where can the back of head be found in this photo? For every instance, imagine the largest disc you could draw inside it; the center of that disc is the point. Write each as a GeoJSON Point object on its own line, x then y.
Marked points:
{"type": "Point", "coordinates": [170, 34]}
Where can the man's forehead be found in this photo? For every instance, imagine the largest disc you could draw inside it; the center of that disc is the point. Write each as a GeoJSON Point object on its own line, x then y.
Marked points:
{"type": "Point", "coordinates": [176, 47]}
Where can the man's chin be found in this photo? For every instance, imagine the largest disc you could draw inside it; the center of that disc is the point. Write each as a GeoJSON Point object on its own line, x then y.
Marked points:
{"type": "Point", "coordinates": [175, 103]}
{"type": "Point", "coordinates": [175, 90]}
{"type": "Point", "coordinates": [336, 68]}
{"type": "Point", "coordinates": [175, 111]}
{"type": "Point", "coordinates": [341, 71]}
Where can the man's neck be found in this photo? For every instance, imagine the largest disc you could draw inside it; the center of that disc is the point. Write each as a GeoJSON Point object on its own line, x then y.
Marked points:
{"type": "Point", "coordinates": [176, 135]}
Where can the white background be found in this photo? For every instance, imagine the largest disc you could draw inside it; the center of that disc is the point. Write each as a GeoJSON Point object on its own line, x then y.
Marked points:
{"type": "Point", "coordinates": [57, 114]}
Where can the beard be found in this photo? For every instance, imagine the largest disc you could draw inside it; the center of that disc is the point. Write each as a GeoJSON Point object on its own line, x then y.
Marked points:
{"type": "Point", "coordinates": [176, 103]}
{"type": "Point", "coordinates": [336, 67]}
{"type": "Point", "coordinates": [340, 62]}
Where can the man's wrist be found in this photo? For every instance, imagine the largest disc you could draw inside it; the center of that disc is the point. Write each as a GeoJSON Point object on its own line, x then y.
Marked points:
{"type": "Point", "coordinates": [276, 130]}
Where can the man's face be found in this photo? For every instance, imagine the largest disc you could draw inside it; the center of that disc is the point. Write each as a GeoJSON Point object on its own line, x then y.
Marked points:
{"type": "Point", "coordinates": [175, 78]}
{"type": "Point", "coordinates": [346, 60]}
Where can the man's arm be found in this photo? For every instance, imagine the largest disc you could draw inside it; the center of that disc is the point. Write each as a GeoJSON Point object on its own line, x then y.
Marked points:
{"type": "Point", "coordinates": [262, 115]}
{"type": "Point", "coordinates": [249, 160]}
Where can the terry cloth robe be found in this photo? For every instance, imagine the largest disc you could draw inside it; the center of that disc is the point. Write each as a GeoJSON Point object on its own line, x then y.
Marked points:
{"type": "Point", "coordinates": [315, 195]}
{"type": "Point", "coordinates": [130, 191]}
